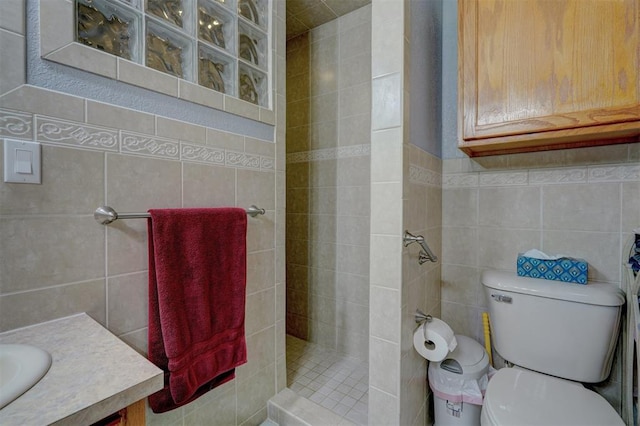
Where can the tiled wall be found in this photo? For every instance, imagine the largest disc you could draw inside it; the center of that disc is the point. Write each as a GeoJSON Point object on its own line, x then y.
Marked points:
{"type": "Point", "coordinates": [420, 283]}
{"type": "Point", "coordinates": [56, 260]}
{"type": "Point", "coordinates": [328, 122]}
{"type": "Point", "coordinates": [580, 202]}
{"type": "Point", "coordinates": [405, 195]}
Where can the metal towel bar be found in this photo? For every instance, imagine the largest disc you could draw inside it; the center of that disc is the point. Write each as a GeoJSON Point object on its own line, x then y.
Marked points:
{"type": "Point", "coordinates": [104, 215]}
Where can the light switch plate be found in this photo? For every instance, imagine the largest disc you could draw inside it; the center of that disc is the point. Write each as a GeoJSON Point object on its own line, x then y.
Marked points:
{"type": "Point", "coordinates": [22, 161]}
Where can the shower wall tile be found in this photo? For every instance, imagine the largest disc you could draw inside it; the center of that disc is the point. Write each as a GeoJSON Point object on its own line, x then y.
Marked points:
{"type": "Point", "coordinates": [356, 100]}
{"type": "Point", "coordinates": [323, 135]}
{"type": "Point", "coordinates": [353, 200]}
{"type": "Point", "coordinates": [353, 230]}
{"type": "Point", "coordinates": [356, 41]}
{"type": "Point", "coordinates": [323, 108]}
{"type": "Point", "coordinates": [355, 70]}
{"type": "Point", "coordinates": [328, 192]}
{"type": "Point", "coordinates": [354, 130]}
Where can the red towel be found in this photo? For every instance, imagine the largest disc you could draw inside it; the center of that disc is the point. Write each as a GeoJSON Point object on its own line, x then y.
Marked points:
{"type": "Point", "coordinates": [197, 283]}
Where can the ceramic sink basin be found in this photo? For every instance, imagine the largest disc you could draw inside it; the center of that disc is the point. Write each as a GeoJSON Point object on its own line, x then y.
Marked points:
{"type": "Point", "coordinates": [21, 367]}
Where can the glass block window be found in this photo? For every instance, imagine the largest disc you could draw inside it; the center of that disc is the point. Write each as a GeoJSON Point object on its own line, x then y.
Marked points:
{"type": "Point", "coordinates": [222, 45]}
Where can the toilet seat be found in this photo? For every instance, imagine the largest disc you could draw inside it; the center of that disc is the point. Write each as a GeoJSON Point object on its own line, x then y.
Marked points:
{"type": "Point", "coordinates": [520, 397]}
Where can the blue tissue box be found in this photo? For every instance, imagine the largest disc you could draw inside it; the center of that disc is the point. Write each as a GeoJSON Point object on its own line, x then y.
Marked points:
{"type": "Point", "coordinates": [565, 269]}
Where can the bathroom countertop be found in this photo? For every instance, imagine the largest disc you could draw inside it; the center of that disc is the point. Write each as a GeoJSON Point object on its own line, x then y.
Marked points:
{"type": "Point", "coordinates": [93, 374]}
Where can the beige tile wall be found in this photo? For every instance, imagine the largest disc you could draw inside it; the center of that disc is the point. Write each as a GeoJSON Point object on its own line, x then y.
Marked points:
{"type": "Point", "coordinates": [56, 260]}
{"type": "Point", "coordinates": [422, 215]}
{"type": "Point", "coordinates": [581, 202]}
{"type": "Point", "coordinates": [328, 76]}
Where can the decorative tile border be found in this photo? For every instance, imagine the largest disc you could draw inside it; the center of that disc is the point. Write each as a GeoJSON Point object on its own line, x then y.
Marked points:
{"type": "Point", "coordinates": [556, 176]}
{"type": "Point", "coordinates": [422, 176]}
{"type": "Point", "coordinates": [133, 143]}
{"type": "Point", "coordinates": [503, 179]}
{"type": "Point", "coordinates": [329, 154]}
{"type": "Point", "coordinates": [460, 180]}
{"type": "Point", "coordinates": [79, 135]}
{"type": "Point", "coordinates": [614, 173]}
{"type": "Point", "coordinates": [569, 175]}
{"type": "Point", "coordinates": [16, 124]}
{"type": "Point", "coordinates": [201, 154]}
{"type": "Point", "coordinates": [54, 131]}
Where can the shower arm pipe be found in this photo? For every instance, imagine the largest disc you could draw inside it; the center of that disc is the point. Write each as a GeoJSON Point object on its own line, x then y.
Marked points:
{"type": "Point", "coordinates": [104, 215]}
{"type": "Point", "coordinates": [426, 254]}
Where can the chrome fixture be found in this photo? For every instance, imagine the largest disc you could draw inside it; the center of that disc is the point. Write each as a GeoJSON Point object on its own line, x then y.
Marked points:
{"type": "Point", "coordinates": [421, 317]}
{"type": "Point", "coordinates": [105, 215]}
{"type": "Point", "coordinates": [425, 255]}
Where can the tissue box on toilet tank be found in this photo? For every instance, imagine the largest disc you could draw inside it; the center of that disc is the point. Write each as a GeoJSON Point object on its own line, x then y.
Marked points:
{"type": "Point", "coordinates": [565, 269]}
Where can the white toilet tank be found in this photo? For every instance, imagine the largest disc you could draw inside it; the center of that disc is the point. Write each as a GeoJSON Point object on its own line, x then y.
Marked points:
{"type": "Point", "coordinates": [557, 328]}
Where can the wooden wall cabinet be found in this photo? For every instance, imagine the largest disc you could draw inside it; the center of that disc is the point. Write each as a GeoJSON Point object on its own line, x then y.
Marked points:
{"type": "Point", "coordinates": [547, 74]}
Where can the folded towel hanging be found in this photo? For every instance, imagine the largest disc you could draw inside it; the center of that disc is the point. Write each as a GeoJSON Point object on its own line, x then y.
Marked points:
{"type": "Point", "coordinates": [197, 283]}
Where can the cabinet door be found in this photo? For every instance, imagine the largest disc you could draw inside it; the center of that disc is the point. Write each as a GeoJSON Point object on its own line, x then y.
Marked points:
{"type": "Point", "coordinates": [544, 74]}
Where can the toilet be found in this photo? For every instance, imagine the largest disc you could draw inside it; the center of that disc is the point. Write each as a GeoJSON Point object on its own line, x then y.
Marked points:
{"type": "Point", "coordinates": [557, 335]}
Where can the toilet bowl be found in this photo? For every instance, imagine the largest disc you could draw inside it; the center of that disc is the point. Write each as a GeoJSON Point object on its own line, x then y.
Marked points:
{"type": "Point", "coordinates": [521, 397]}
{"type": "Point", "coordinates": [560, 334]}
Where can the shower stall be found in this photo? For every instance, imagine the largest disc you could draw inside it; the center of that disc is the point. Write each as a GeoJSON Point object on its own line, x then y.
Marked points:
{"type": "Point", "coordinates": [328, 213]}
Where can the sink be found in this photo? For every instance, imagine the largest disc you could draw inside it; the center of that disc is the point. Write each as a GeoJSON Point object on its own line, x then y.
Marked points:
{"type": "Point", "coordinates": [21, 367]}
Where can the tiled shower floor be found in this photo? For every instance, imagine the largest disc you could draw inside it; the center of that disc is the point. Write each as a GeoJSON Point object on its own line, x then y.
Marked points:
{"type": "Point", "coordinates": [336, 382]}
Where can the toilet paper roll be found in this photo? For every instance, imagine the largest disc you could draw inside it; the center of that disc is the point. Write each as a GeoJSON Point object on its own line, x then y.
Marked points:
{"type": "Point", "coordinates": [434, 340]}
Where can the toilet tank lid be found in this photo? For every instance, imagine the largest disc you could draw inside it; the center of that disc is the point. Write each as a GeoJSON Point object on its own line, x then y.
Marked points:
{"type": "Point", "coordinates": [593, 293]}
